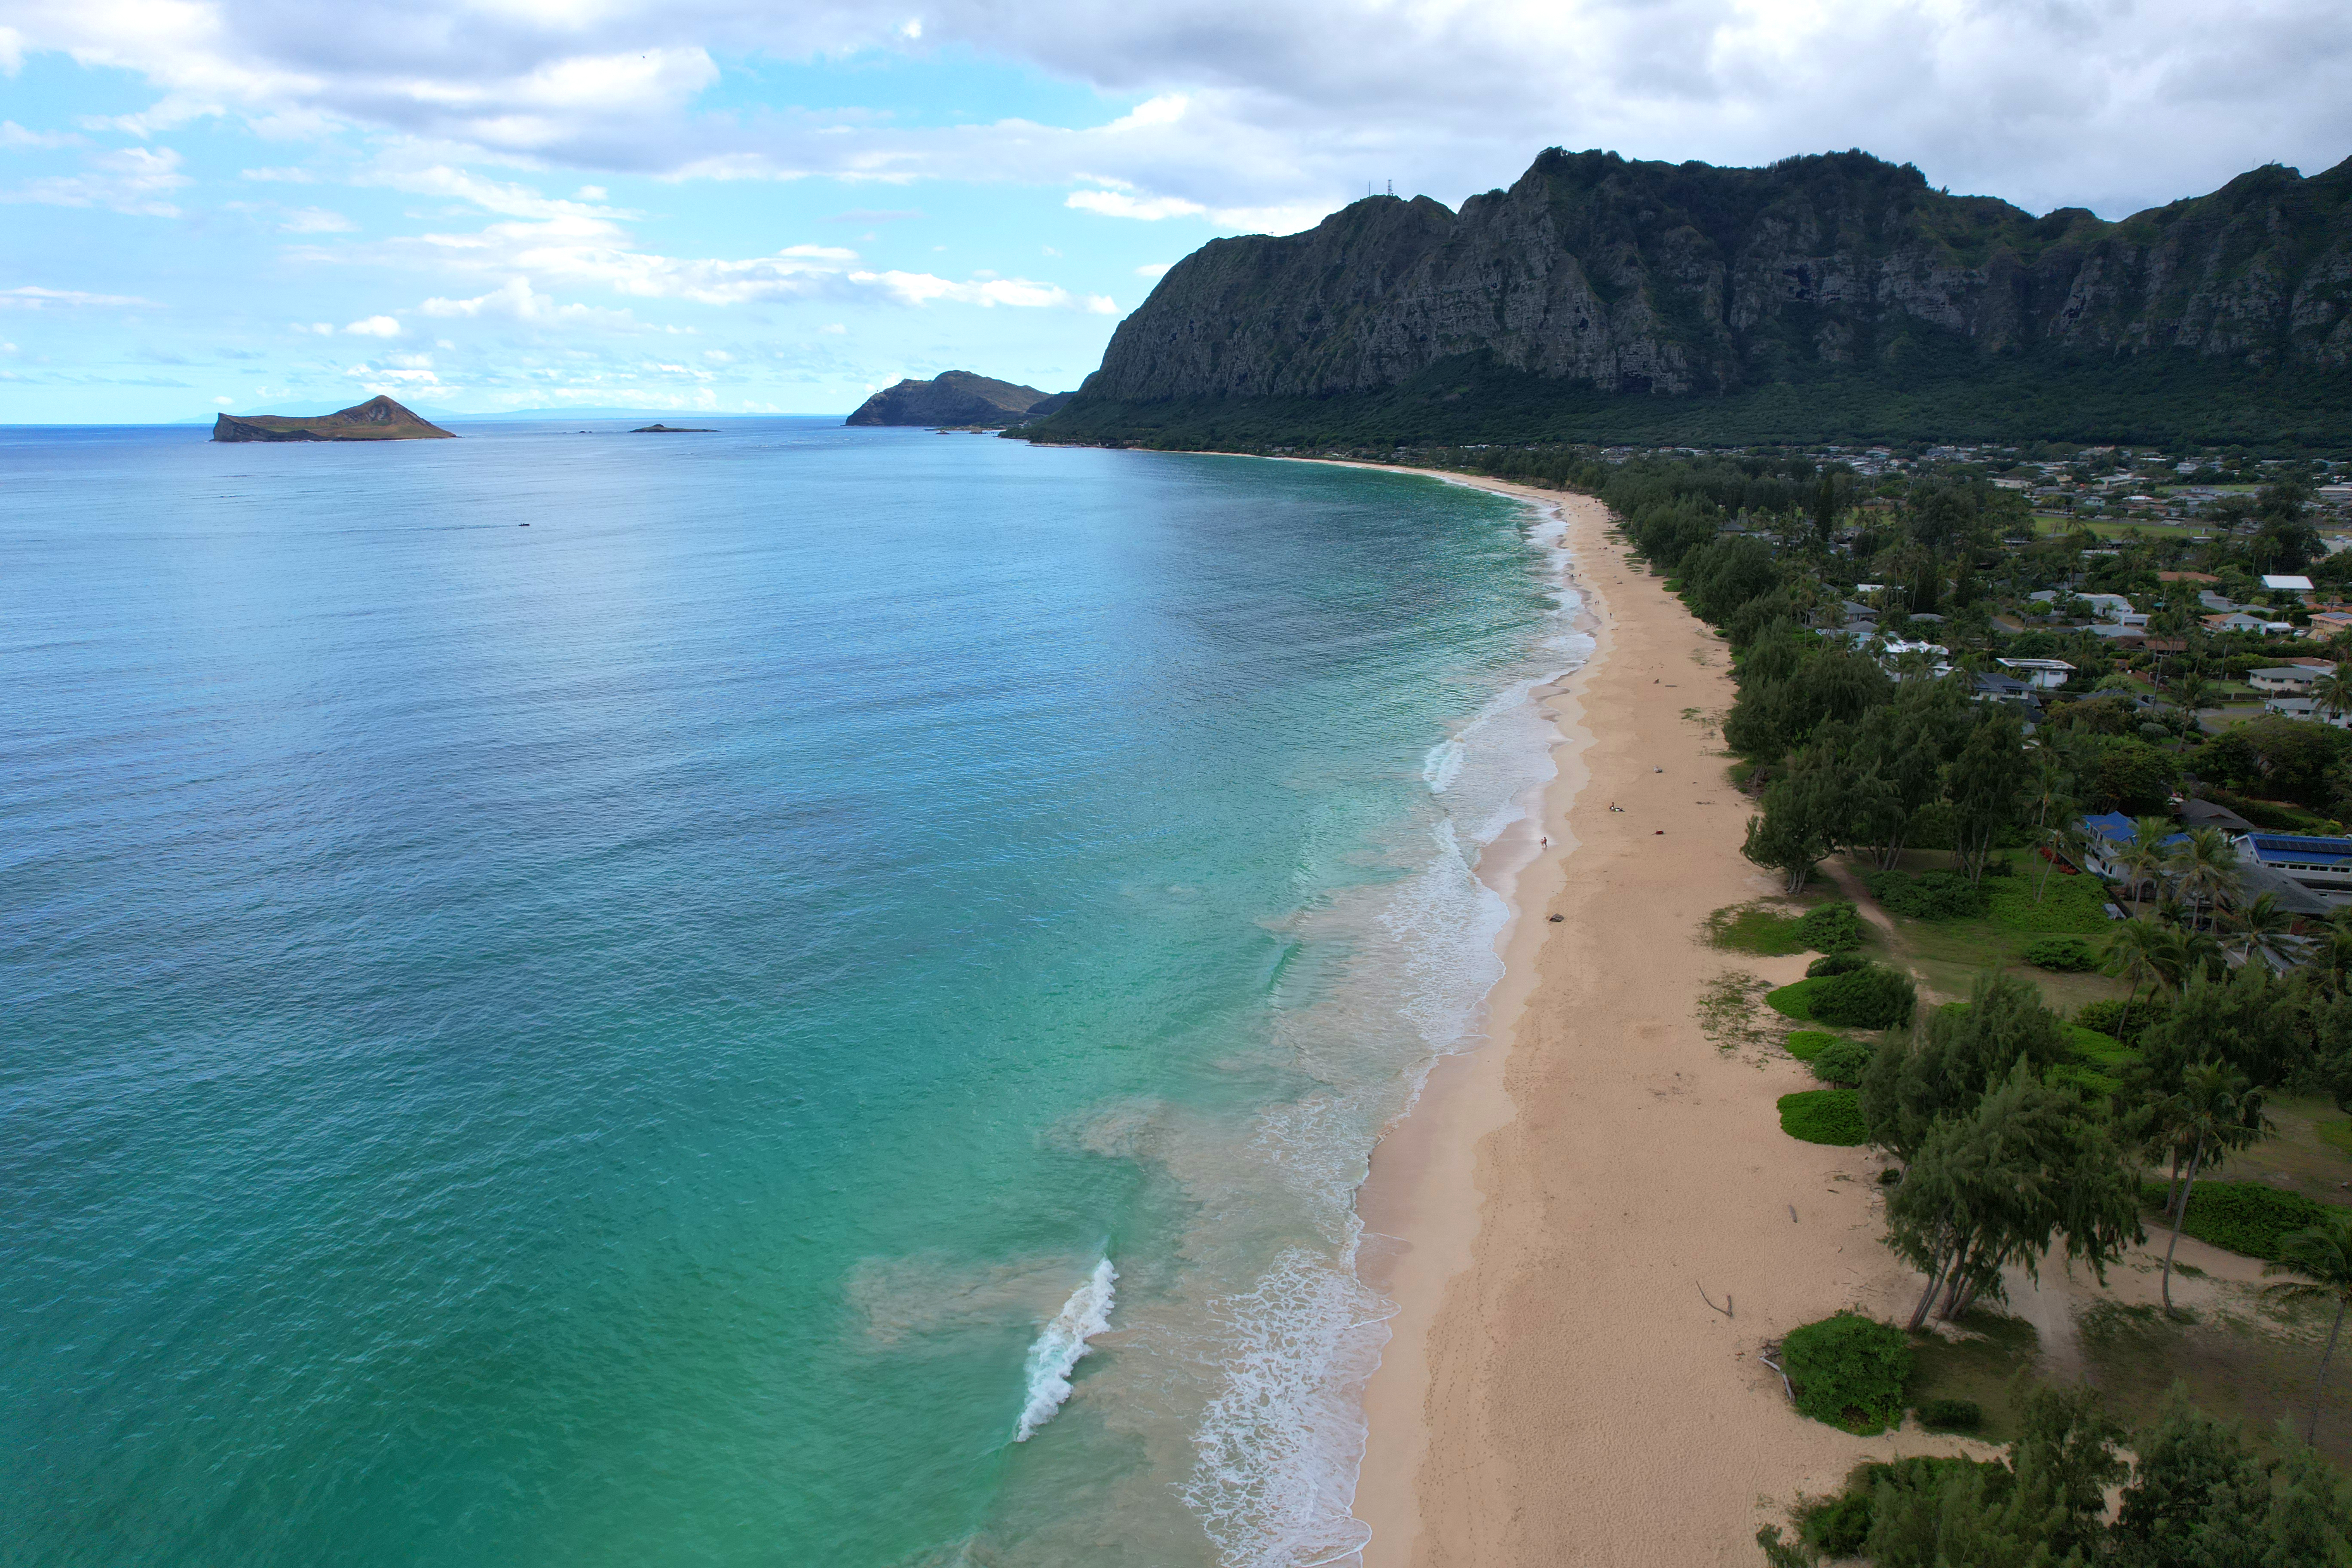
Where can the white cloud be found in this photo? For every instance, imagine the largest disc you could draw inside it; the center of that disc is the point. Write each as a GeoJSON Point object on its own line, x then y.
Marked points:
{"type": "Point", "coordinates": [1154, 270]}
{"type": "Point", "coordinates": [1261, 117]}
{"type": "Point", "coordinates": [1118, 203]}
{"type": "Point", "coordinates": [922, 289]}
{"type": "Point", "coordinates": [31, 297]}
{"type": "Point", "coordinates": [14, 135]}
{"type": "Point", "coordinates": [517, 301]}
{"type": "Point", "coordinates": [373, 327]}
{"type": "Point", "coordinates": [134, 180]}
{"type": "Point", "coordinates": [316, 220]}
{"type": "Point", "coordinates": [834, 328]}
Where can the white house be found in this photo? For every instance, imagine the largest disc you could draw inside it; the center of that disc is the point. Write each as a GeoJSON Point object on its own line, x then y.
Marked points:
{"type": "Point", "coordinates": [2291, 679]}
{"type": "Point", "coordinates": [1939, 657]}
{"type": "Point", "coordinates": [2304, 708]}
{"type": "Point", "coordinates": [2281, 584]}
{"type": "Point", "coordinates": [2045, 674]}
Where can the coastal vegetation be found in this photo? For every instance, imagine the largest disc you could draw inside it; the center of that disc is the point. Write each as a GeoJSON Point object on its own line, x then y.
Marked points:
{"type": "Point", "coordinates": [1849, 1371]}
{"type": "Point", "coordinates": [2137, 1013]}
{"type": "Point", "coordinates": [2193, 1492]}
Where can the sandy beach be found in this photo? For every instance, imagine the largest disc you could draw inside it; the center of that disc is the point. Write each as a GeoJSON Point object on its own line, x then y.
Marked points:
{"type": "Point", "coordinates": [1558, 1390]}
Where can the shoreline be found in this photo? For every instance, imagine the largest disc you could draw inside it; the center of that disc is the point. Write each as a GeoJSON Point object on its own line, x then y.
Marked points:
{"type": "Point", "coordinates": [1555, 1389]}
{"type": "Point", "coordinates": [1544, 1215]}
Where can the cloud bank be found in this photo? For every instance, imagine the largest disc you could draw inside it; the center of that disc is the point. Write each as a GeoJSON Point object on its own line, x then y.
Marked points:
{"type": "Point", "coordinates": [1248, 108]}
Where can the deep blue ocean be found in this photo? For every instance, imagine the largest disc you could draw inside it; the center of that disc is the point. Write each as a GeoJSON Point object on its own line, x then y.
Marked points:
{"type": "Point", "coordinates": [654, 1037]}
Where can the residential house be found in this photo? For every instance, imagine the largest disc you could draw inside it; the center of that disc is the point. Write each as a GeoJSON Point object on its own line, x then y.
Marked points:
{"type": "Point", "coordinates": [2320, 866]}
{"type": "Point", "coordinates": [2240, 621]}
{"type": "Point", "coordinates": [2205, 814]}
{"type": "Point", "coordinates": [2289, 680]}
{"type": "Point", "coordinates": [2279, 583]}
{"type": "Point", "coordinates": [2304, 708]}
{"type": "Point", "coordinates": [2045, 674]}
{"type": "Point", "coordinates": [1992, 688]}
{"type": "Point", "coordinates": [2106, 837]}
{"type": "Point", "coordinates": [1936, 658]}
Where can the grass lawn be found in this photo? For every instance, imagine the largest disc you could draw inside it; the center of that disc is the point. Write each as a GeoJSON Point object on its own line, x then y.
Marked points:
{"type": "Point", "coordinates": [2239, 1368]}
{"type": "Point", "coordinates": [1949, 954]}
{"type": "Point", "coordinates": [2310, 1153]}
{"type": "Point", "coordinates": [1767, 927]}
{"type": "Point", "coordinates": [1979, 1368]}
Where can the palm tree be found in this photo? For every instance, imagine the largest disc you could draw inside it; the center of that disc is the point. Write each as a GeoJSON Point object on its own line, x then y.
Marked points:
{"type": "Point", "coordinates": [2331, 964]}
{"type": "Point", "coordinates": [2190, 691]}
{"type": "Point", "coordinates": [2331, 694]}
{"type": "Point", "coordinates": [2323, 1253]}
{"type": "Point", "coordinates": [2215, 1110]}
{"type": "Point", "coordinates": [2179, 954]}
{"type": "Point", "coordinates": [2143, 859]}
{"type": "Point", "coordinates": [2205, 867]}
{"type": "Point", "coordinates": [2131, 960]}
{"type": "Point", "coordinates": [2262, 928]}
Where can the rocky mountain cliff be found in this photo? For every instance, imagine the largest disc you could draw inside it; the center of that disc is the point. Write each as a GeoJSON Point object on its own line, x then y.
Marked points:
{"type": "Point", "coordinates": [1598, 279]}
{"type": "Point", "coordinates": [377, 420]}
{"type": "Point", "coordinates": [955, 397]}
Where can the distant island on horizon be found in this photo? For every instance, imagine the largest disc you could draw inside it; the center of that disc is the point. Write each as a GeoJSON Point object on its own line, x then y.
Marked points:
{"type": "Point", "coordinates": [377, 420]}
{"type": "Point", "coordinates": [1838, 296]}
{"type": "Point", "coordinates": [957, 397]}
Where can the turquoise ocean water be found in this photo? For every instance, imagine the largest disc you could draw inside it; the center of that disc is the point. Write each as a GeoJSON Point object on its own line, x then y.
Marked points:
{"type": "Point", "coordinates": [653, 1038]}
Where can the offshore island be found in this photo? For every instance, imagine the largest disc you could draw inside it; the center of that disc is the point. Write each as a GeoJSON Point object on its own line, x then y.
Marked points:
{"type": "Point", "coordinates": [377, 420]}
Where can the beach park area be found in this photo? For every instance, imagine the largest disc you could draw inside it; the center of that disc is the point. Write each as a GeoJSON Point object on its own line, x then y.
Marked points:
{"type": "Point", "coordinates": [1596, 1229]}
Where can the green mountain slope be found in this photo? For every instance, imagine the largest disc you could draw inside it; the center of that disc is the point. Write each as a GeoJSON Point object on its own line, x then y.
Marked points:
{"type": "Point", "coordinates": [1823, 297]}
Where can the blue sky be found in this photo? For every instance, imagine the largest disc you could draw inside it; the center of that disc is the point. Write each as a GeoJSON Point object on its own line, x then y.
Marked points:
{"type": "Point", "coordinates": [481, 204]}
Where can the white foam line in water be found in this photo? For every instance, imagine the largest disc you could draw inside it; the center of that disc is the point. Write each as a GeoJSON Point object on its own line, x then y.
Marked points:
{"type": "Point", "coordinates": [1061, 1346]}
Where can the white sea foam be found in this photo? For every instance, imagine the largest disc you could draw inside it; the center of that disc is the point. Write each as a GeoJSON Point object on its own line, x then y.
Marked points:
{"type": "Point", "coordinates": [1444, 762]}
{"type": "Point", "coordinates": [1062, 1344]}
{"type": "Point", "coordinates": [1278, 1447]}
{"type": "Point", "coordinates": [1275, 1454]}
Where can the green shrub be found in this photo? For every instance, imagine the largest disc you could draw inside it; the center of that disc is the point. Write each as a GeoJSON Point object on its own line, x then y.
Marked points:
{"type": "Point", "coordinates": [2065, 954]}
{"type": "Point", "coordinates": [2092, 1045]}
{"type": "Point", "coordinates": [1835, 927]}
{"type": "Point", "coordinates": [1849, 1371]}
{"type": "Point", "coordinates": [1806, 1044]}
{"type": "Point", "coordinates": [1793, 1001]}
{"type": "Point", "coordinates": [2244, 1217]}
{"type": "Point", "coordinates": [1843, 1062]}
{"type": "Point", "coordinates": [1931, 896]}
{"type": "Point", "coordinates": [1839, 1527]}
{"type": "Point", "coordinates": [2118, 1021]}
{"type": "Point", "coordinates": [1951, 1416]}
{"type": "Point", "coordinates": [1832, 1116]}
{"type": "Point", "coordinates": [1875, 997]}
{"type": "Point", "coordinates": [1835, 964]}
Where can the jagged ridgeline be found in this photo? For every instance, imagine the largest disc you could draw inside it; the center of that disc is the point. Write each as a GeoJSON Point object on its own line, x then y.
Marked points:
{"type": "Point", "coordinates": [1602, 299]}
